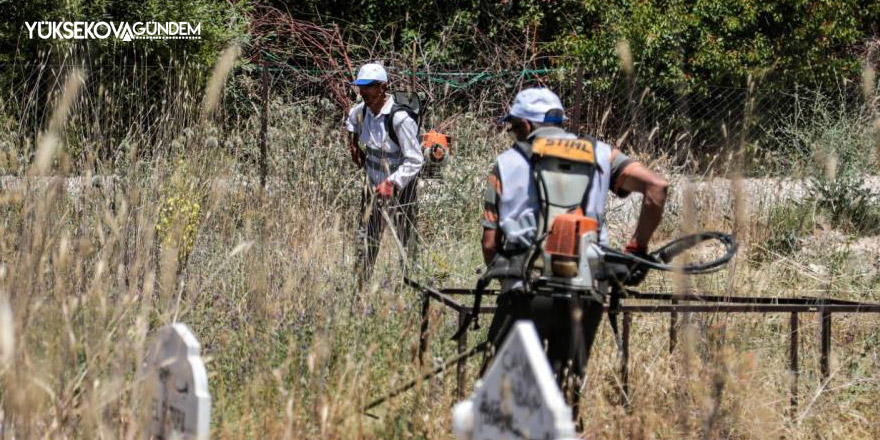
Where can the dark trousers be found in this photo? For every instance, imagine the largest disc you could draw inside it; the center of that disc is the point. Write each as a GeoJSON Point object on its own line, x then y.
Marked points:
{"type": "Point", "coordinates": [402, 209]}
{"type": "Point", "coordinates": [566, 325]}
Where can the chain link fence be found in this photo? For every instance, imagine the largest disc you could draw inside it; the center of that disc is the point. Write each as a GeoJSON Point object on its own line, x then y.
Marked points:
{"type": "Point", "coordinates": [695, 129]}
{"type": "Point", "coordinates": [116, 104]}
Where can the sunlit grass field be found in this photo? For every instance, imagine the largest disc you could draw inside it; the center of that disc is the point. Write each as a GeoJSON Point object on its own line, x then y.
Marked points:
{"type": "Point", "coordinates": [94, 258]}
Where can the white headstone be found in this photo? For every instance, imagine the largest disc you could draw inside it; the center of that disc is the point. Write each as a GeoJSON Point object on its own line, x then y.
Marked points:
{"type": "Point", "coordinates": [518, 397]}
{"type": "Point", "coordinates": [176, 387]}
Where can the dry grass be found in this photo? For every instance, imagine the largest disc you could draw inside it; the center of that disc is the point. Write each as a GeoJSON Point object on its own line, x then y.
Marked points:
{"type": "Point", "coordinates": [265, 284]}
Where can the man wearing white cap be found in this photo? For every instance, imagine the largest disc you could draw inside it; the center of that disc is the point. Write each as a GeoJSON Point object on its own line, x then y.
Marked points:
{"type": "Point", "coordinates": [392, 159]}
{"type": "Point", "coordinates": [512, 211]}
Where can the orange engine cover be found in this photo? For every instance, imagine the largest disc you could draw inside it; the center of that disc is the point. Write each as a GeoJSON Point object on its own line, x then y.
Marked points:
{"type": "Point", "coordinates": [433, 139]}
{"type": "Point", "coordinates": [566, 232]}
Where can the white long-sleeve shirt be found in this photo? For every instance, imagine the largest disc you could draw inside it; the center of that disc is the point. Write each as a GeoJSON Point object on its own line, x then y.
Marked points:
{"type": "Point", "coordinates": [404, 160]}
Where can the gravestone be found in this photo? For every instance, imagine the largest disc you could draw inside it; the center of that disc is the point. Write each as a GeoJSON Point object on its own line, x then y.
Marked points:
{"type": "Point", "coordinates": [176, 387]}
{"type": "Point", "coordinates": [517, 398]}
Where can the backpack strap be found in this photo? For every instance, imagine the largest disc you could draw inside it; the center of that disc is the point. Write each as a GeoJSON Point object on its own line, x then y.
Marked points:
{"type": "Point", "coordinates": [406, 102]}
{"type": "Point", "coordinates": [389, 121]}
{"type": "Point", "coordinates": [596, 167]}
{"type": "Point", "coordinates": [389, 125]}
{"type": "Point", "coordinates": [522, 153]}
{"type": "Point", "coordinates": [390, 128]}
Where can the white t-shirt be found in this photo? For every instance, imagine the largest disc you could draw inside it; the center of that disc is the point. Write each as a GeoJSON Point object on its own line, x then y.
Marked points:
{"type": "Point", "coordinates": [373, 136]}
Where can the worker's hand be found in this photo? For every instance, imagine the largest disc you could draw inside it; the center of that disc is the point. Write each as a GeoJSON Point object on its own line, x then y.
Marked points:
{"type": "Point", "coordinates": [638, 272]}
{"type": "Point", "coordinates": [385, 189]}
{"type": "Point", "coordinates": [357, 156]}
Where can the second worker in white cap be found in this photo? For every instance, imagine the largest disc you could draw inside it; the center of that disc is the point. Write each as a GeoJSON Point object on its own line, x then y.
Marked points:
{"type": "Point", "coordinates": [514, 211]}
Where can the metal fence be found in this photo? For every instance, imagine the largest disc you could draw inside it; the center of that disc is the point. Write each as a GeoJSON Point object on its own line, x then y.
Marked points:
{"type": "Point", "coordinates": [674, 304]}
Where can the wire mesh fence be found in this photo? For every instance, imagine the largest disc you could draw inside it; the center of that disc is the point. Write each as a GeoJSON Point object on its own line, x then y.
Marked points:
{"type": "Point", "coordinates": [116, 104]}
{"type": "Point", "coordinates": [121, 101]}
{"type": "Point", "coordinates": [697, 128]}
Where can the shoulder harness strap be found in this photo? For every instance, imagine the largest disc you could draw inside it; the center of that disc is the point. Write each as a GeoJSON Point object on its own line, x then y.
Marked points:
{"type": "Point", "coordinates": [581, 150]}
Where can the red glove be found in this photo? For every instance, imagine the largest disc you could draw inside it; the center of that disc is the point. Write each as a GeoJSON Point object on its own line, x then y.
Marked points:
{"type": "Point", "coordinates": [633, 248]}
{"type": "Point", "coordinates": [637, 272]}
{"type": "Point", "coordinates": [357, 156]}
{"type": "Point", "coordinates": [385, 189]}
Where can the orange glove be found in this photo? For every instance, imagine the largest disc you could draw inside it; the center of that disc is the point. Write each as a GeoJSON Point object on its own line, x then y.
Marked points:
{"type": "Point", "coordinates": [385, 189]}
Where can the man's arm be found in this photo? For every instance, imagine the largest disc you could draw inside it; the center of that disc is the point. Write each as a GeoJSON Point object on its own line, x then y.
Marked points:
{"type": "Point", "coordinates": [352, 125]}
{"type": "Point", "coordinates": [491, 242]}
{"type": "Point", "coordinates": [636, 177]}
{"type": "Point", "coordinates": [357, 155]}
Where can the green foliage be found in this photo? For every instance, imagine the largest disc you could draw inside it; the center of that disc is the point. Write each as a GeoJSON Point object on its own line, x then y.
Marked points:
{"type": "Point", "coordinates": [673, 42]}
{"type": "Point", "coordinates": [783, 231]}
{"type": "Point", "coordinates": [821, 129]}
{"type": "Point", "coordinates": [180, 213]}
{"type": "Point", "coordinates": [842, 203]}
{"type": "Point", "coordinates": [717, 41]}
{"type": "Point", "coordinates": [847, 204]}
{"type": "Point", "coordinates": [449, 34]}
{"type": "Point", "coordinates": [221, 21]}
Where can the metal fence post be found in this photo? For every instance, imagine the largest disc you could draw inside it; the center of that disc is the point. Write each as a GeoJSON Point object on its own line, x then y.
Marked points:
{"type": "Point", "coordinates": [793, 362]}
{"type": "Point", "coordinates": [264, 124]}
{"type": "Point", "coordinates": [673, 331]}
{"type": "Point", "coordinates": [825, 359]}
{"type": "Point", "coordinates": [624, 359]}
{"type": "Point", "coordinates": [578, 98]}
{"type": "Point", "coordinates": [423, 330]}
{"type": "Point", "coordinates": [462, 346]}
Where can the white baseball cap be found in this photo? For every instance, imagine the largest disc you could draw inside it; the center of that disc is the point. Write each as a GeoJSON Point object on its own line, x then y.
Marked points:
{"type": "Point", "coordinates": [534, 103]}
{"type": "Point", "coordinates": [369, 74]}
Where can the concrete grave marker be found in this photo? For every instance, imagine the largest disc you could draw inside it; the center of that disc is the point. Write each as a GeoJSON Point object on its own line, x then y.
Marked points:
{"type": "Point", "coordinates": [176, 387]}
{"type": "Point", "coordinates": [518, 397]}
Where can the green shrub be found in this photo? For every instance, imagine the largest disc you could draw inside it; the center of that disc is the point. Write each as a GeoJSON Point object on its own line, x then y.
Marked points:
{"type": "Point", "coordinates": [782, 231]}
{"type": "Point", "coordinates": [821, 128]}
{"type": "Point", "coordinates": [180, 213]}
{"type": "Point", "coordinates": [847, 204]}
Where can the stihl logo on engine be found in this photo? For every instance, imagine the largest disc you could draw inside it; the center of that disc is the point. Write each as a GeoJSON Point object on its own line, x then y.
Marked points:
{"type": "Point", "coordinates": [575, 150]}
